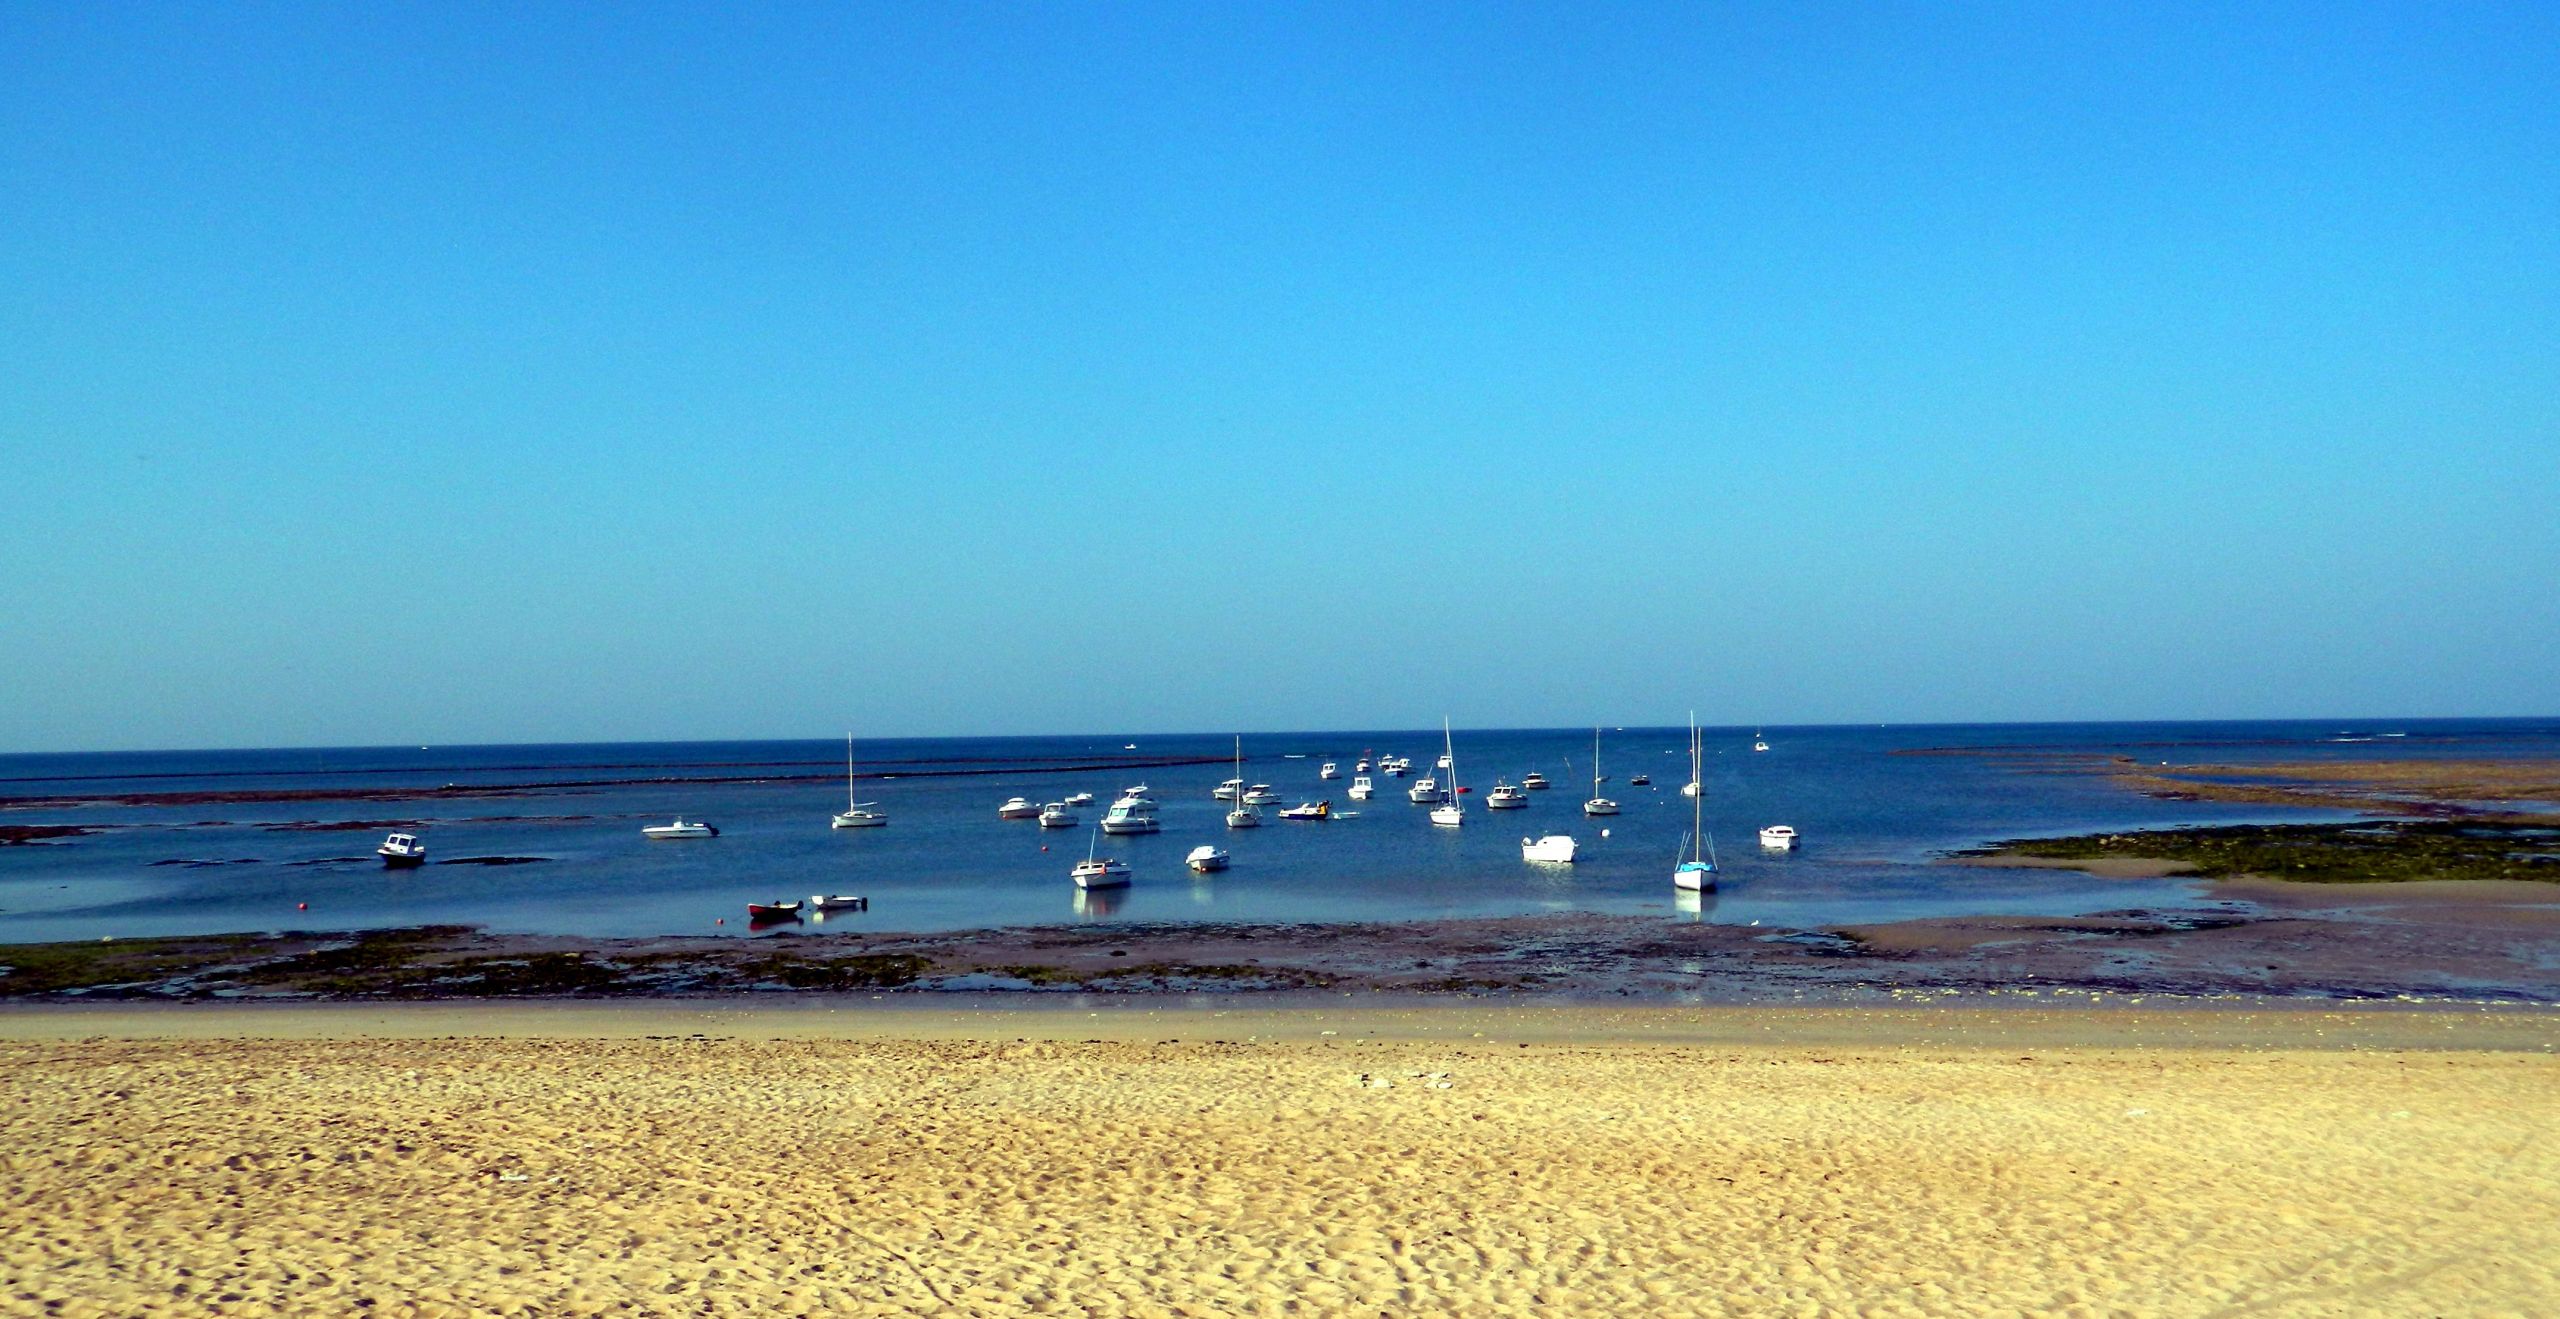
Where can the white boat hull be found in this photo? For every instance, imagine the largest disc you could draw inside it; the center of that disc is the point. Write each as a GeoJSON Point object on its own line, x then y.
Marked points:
{"type": "Point", "coordinates": [1451, 816]}
{"type": "Point", "coordinates": [1131, 826]}
{"type": "Point", "coordinates": [1778, 838]}
{"type": "Point", "coordinates": [1694, 879]}
{"type": "Point", "coordinates": [1554, 849]}
{"type": "Point", "coordinates": [1599, 806]}
{"type": "Point", "coordinates": [860, 820]}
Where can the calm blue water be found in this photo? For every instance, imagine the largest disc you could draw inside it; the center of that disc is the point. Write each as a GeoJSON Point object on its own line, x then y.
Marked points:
{"type": "Point", "coordinates": [1871, 822]}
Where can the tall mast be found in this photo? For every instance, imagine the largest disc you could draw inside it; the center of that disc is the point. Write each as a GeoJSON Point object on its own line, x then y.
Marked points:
{"type": "Point", "coordinates": [849, 803]}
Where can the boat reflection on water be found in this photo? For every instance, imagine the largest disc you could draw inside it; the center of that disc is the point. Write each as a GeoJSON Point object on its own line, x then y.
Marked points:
{"type": "Point", "coordinates": [1692, 906]}
{"type": "Point", "coordinates": [1094, 904]}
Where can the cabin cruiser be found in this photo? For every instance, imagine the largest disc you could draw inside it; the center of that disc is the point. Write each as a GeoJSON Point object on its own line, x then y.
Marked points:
{"type": "Point", "coordinates": [1133, 813]}
{"type": "Point", "coordinates": [1017, 808]}
{"type": "Point", "coordinates": [1228, 790]}
{"type": "Point", "coordinates": [1425, 791]}
{"type": "Point", "coordinates": [1362, 767]}
{"type": "Point", "coordinates": [1554, 848]}
{"type": "Point", "coordinates": [680, 829]}
{"type": "Point", "coordinates": [1361, 788]}
{"type": "Point", "coordinates": [1078, 799]}
{"type": "Point", "coordinates": [1055, 815]}
{"type": "Point", "coordinates": [1397, 767]}
{"type": "Point", "coordinates": [1261, 794]}
{"type": "Point", "coordinates": [1443, 764]}
{"type": "Point", "coordinates": [1778, 837]}
{"type": "Point", "coordinates": [1329, 770]}
{"type": "Point", "coordinates": [1533, 780]}
{"type": "Point", "coordinates": [1205, 858]}
{"type": "Point", "coordinates": [402, 851]}
{"type": "Point", "coordinates": [1309, 810]}
{"type": "Point", "coordinates": [1505, 797]}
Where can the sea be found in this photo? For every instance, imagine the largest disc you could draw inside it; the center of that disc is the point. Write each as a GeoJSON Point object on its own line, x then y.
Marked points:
{"type": "Point", "coordinates": [545, 839]}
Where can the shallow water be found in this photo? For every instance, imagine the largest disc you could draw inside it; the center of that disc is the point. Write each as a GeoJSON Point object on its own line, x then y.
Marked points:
{"type": "Point", "coordinates": [1872, 822]}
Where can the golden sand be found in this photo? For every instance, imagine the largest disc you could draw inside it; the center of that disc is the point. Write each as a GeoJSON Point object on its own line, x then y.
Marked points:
{"type": "Point", "coordinates": [1748, 1162]}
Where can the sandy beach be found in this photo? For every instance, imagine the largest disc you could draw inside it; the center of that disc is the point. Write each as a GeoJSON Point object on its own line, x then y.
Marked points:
{"type": "Point", "coordinates": [864, 1159]}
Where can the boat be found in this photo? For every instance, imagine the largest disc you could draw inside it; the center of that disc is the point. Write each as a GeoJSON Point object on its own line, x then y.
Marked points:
{"type": "Point", "coordinates": [1261, 794]}
{"type": "Point", "coordinates": [776, 910]}
{"type": "Point", "coordinates": [1243, 816]}
{"type": "Point", "coordinates": [1453, 812]}
{"type": "Point", "coordinates": [1598, 805]}
{"type": "Point", "coordinates": [1505, 797]}
{"type": "Point", "coordinates": [1330, 770]}
{"type": "Point", "coordinates": [1017, 808]}
{"type": "Point", "coordinates": [1697, 870]}
{"type": "Point", "coordinates": [1758, 742]}
{"type": "Point", "coordinates": [1137, 790]}
{"type": "Point", "coordinates": [826, 902]}
{"type": "Point", "coordinates": [857, 814]}
{"type": "Point", "coordinates": [1397, 768]}
{"type": "Point", "coordinates": [680, 829]}
{"type": "Point", "coordinates": [1556, 849]}
{"type": "Point", "coordinates": [1309, 810]}
{"type": "Point", "coordinates": [1425, 792]}
{"type": "Point", "coordinates": [1078, 799]}
{"type": "Point", "coordinates": [1638, 780]}
{"type": "Point", "coordinates": [1362, 767]}
{"type": "Point", "coordinates": [1696, 786]}
{"type": "Point", "coordinates": [401, 852]}
{"type": "Point", "coordinates": [1100, 871]}
{"type": "Point", "coordinates": [1535, 781]}
{"type": "Point", "coordinates": [1361, 788]}
{"type": "Point", "coordinates": [1778, 837]}
{"type": "Point", "coordinates": [1133, 813]}
{"type": "Point", "coordinates": [1055, 815]}
{"type": "Point", "coordinates": [1229, 790]}
{"type": "Point", "coordinates": [1205, 858]}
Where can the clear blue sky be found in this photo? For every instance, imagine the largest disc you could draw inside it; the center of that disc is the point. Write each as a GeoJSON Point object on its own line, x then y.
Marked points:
{"type": "Point", "coordinates": [456, 372]}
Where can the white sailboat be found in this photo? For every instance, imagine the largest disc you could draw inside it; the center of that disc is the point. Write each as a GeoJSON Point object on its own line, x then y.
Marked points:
{"type": "Point", "coordinates": [857, 814]}
{"type": "Point", "coordinates": [1598, 805]}
{"type": "Point", "coordinates": [1243, 816]}
{"type": "Point", "coordinates": [1453, 812]}
{"type": "Point", "coordinates": [1697, 871]}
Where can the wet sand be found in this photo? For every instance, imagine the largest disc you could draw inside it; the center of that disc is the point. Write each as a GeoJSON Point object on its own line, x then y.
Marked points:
{"type": "Point", "coordinates": [860, 1157]}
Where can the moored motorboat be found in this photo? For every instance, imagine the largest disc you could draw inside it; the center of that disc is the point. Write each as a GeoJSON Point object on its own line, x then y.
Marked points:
{"type": "Point", "coordinates": [1079, 799]}
{"type": "Point", "coordinates": [1311, 810]}
{"type": "Point", "coordinates": [1505, 797]}
{"type": "Point", "coordinates": [680, 829]}
{"type": "Point", "coordinates": [1228, 790]}
{"type": "Point", "coordinates": [825, 902]}
{"type": "Point", "coordinates": [401, 852]}
{"type": "Point", "coordinates": [1556, 849]}
{"type": "Point", "coordinates": [1425, 792]}
{"type": "Point", "coordinates": [1533, 780]}
{"type": "Point", "coordinates": [1329, 770]}
{"type": "Point", "coordinates": [1261, 794]}
{"type": "Point", "coordinates": [1133, 813]}
{"type": "Point", "coordinates": [1018, 808]}
{"type": "Point", "coordinates": [1205, 858]}
{"type": "Point", "coordinates": [1638, 780]}
{"type": "Point", "coordinates": [1778, 837]}
{"type": "Point", "coordinates": [1361, 788]}
{"type": "Point", "coordinates": [1055, 815]}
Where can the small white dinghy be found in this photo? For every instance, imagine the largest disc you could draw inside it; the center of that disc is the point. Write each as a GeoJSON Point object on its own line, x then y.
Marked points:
{"type": "Point", "coordinates": [679, 829]}
{"type": "Point", "coordinates": [1205, 858]}
{"type": "Point", "coordinates": [1554, 849]}
{"type": "Point", "coordinates": [823, 903]}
